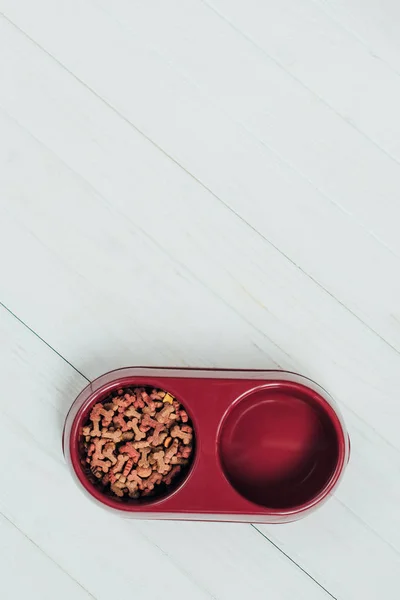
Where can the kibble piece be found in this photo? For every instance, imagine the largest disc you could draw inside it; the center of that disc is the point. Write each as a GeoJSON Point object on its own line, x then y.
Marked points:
{"type": "Point", "coordinates": [178, 432]}
{"type": "Point", "coordinates": [165, 414]}
{"type": "Point", "coordinates": [144, 471]}
{"type": "Point", "coordinates": [115, 436]}
{"type": "Point", "coordinates": [170, 452]}
{"type": "Point", "coordinates": [108, 452]}
{"type": "Point", "coordinates": [168, 398]}
{"type": "Point", "coordinates": [173, 472]}
{"type": "Point", "coordinates": [121, 460]}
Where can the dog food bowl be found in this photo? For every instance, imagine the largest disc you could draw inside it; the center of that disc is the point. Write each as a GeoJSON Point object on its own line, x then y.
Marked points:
{"type": "Point", "coordinates": [270, 446]}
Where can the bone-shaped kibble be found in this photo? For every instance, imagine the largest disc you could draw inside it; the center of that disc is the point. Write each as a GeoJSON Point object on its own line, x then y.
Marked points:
{"type": "Point", "coordinates": [98, 447]}
{"type": "Point", "coordinates": [143, 462]}
{"type": "Point", "coordinates": [149, 401]}
{"type": "Point", "coordinates": [177, 460]}
{"type": "Point", "coordinates": [133, 488]}
{"type": "Point", "coordinates": [95, 432]}
{"type": "Point", "coordinates": [128, 467]}
{"type": "Point", "coordinates": [170, 452]}
{"type": "Point", "coordinates": [185, 451]}
{"type": "Point", "coordinates": [121, 460]}
{"type": "Point", "coordinates": [91, 449]}
{"type": "Point", "coordinates": [132, 412]}
{"type": "Point", "coordinates": [97, 411]}
{"type": "Point", "coordinates": [139, 435]}
{"type": "Point", "coordinates": [115, 436]}
{"type": "Point", "coordinates": [177, 432]}
{"type": "Point", "coordinates": [165, 414]}
{"type": "Point", "coordinates": [144, 471]}
{"type": "Point", "coordinates": [143, 428]}
{"type": "Point", "coordinates": [117, 490]}
{"type": "Point", "coordinates": [161, 466]}
{"type": "Point", "coordinates": [155, 478]}
{"type": "Point", "coordinates": [184, 416]}
{"type": "Point", "coordinates": [120, 422]}
{"type": "Point", "coordinates": [147, 421]}
{"type": "Point", "coordinates": [108, 452]}
{"type": "Point", "coordinates": [156, 439]}
{"type": "Point", "coordinates": [133, 476]}
{"type": "Point", "coordinates": [139, 445]}
{"type": "Point", "coordinates": [107, 417]}
{"type": "Point", "coordinates": [162, 436]}
{"type": "Point", "coordinates": [173, 472]}
{"type": "Point", "coordinates": [104, 465]}
{"type": "Point", "coordinates": [138, 403]}
{"type": "Point", "coordinates": [125, 401]}
{"type": "Point", "coordinates": [131, 451]}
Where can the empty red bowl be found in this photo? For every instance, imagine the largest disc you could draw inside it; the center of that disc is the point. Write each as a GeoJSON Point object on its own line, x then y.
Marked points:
{"type": "Point", "coordinates": [278, 446]}
{"type": "Point", "coordinates": [271, 446]}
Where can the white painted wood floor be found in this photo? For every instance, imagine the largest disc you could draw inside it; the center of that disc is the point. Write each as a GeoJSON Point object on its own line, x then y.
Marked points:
{"type": "Point", "coordinates": [204, 183]}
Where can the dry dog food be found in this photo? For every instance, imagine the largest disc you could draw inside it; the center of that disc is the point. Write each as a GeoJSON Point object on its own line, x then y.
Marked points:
{"type": "Point", "coordinates": [137, 442]}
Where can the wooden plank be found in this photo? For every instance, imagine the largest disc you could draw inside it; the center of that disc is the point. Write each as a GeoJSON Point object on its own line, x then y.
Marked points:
{"type": "Point", "coordinates": [276, 109]}
{"type": "Point", "coordinates": [250, 180]}
{"type": "Point", "coordinates": [26, 572]}
{"type": "Point", "coordinates": [336, 66]}
{"type": "Point", "coordinates": [374, 24]}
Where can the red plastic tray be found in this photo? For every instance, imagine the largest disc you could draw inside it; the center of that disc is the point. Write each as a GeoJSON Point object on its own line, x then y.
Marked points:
{"type": "Point", "coordinates": [270, 446]}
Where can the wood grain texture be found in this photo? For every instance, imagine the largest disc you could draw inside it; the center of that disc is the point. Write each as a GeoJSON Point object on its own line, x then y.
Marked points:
{"type": "Point", "coordinates": [205, 188]}
{"type": "Point", "coordinates": [277, 110]}
{"type": "Point", "coordinates": [374, 24]}
{"type": "Point", "coordinates": [41, 578]}
{"type": "Point", "coordinates": [328, 60]}
{"type": "Point", "coordinates": [246, 176]}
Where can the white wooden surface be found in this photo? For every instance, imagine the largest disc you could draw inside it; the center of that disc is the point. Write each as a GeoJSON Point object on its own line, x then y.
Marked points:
{"type": "Point", "coordinates": [203, 183]}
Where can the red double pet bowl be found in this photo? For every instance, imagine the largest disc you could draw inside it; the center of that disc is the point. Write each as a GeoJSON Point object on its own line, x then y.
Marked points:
{"type": "Point", "coordinates": [270, 446]}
